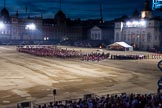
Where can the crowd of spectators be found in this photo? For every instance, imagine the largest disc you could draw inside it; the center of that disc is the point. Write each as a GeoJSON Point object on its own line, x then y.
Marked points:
{"type": "Point", "coordinates": [82, 44]}
{"type": "Point", "coordinates": [110, 101]}
{"type": "Point", "coordinates": [90, 43]}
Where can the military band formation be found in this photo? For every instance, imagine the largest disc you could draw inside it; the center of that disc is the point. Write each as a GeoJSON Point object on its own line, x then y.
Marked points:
{"type": "Point", "coordinates": [54, 51]}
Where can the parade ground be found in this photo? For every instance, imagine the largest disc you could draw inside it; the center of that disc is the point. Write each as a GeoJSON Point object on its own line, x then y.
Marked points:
{"type": "Point", "coordinates": [25, 77]}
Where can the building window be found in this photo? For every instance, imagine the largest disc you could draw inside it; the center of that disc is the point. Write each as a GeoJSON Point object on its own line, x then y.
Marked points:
{"type": "Point", "coordinates": [117, 37]}
{"type": "Point", "coordinates": [143, 37]}
{"type": "Point", "coordinates": [149, 37]}
{"type": "Point", "coordinates": [14, 20]}
{"type": "Point", "coordinates": [99, 36]}
{"type": "Point", "coordinates": [95, 36]}
{"type": "Point", "coordinates": [156, 37]}
{"type": "Point", "coordinates": [124, 37]}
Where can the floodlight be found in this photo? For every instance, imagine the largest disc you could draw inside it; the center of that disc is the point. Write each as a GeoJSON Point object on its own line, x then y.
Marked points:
{"type": "Point", "coordinates": [143, 23]}
{"type": "Point", "coordinates": [2, 25]}
{"type": "Point", "coordinates": [128, 23]}
{"type": "Point", "coordinates": [31, 26]}
{"type": "Point", "coordinates": [135, 23]}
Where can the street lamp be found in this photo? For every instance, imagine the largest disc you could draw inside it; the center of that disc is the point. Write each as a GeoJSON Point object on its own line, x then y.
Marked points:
{"type": "Point", "coordinates": [46, 38]}
{"type": "Point", "coordinates": [138, 39]}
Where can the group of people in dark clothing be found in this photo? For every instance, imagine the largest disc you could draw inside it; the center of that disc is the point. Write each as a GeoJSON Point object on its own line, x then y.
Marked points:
{"type": "Point", "coordinates": [110, 101]}
{"type": "Point", "coordinates": [128, 57]}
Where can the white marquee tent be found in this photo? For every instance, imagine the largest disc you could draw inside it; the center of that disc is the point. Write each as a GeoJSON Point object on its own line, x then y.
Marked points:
{"type": "Point", "coordinates": [120, 46]}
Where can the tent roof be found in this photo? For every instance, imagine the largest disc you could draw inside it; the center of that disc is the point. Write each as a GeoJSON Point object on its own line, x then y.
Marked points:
{"type": "Point", "coordinates": [121, 44]}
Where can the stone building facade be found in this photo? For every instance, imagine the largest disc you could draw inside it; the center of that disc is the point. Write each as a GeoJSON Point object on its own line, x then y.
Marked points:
{"type": "Point", "coordinates": [142, 32]}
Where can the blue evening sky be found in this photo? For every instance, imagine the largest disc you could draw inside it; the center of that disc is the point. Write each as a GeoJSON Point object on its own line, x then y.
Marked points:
{"type": "Point", "coordinates": [84, 9]}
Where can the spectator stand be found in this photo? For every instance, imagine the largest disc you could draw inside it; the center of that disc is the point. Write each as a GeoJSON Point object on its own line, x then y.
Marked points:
{"type": "Point", "coordinates": [69, 103]}
{"type": "Point", "coordinates": [122, 100]}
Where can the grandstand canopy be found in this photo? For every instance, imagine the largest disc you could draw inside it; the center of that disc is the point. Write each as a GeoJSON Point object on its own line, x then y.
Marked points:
{"type": "Point", "coordinates": [120, 46]}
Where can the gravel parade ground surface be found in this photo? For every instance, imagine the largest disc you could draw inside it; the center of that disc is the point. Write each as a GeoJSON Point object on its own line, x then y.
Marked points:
{"type": "Point", "coordinates": [25, 77]}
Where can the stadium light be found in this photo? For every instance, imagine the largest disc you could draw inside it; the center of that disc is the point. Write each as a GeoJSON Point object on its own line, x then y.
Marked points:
{"type": "Point", "coordinates": [31, 26]}
{"type": "Point", "coordinates": [2, 26]}
{"type": "Point", "coordinates": [128, 23]}
{"type": "Point", "coordinates": [141, 23]}
{"type": "Point", "coordinates": [135, 22]}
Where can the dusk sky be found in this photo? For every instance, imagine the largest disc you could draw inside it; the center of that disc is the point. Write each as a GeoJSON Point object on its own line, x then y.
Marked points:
{"type": "Point", "coordinates": [84, 9]}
